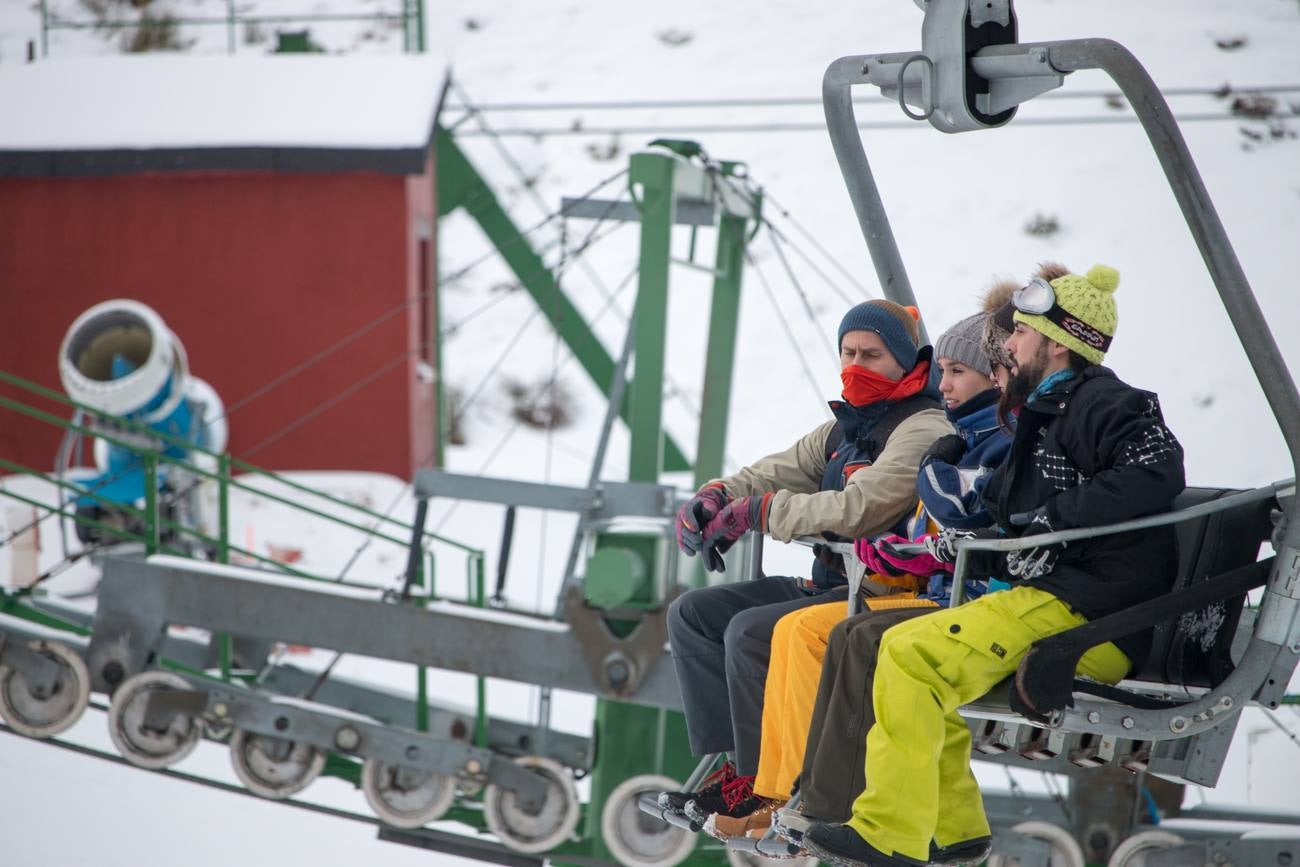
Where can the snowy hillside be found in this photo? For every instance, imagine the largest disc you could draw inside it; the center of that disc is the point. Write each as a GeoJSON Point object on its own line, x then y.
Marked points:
{"type": "Point", "coordinates": [959, 207]}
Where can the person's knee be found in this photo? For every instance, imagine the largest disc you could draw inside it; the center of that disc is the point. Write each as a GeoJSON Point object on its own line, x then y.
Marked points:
{"type": "Point", "coordinates": [811, 627]}
{"type": "Point", "coordinates": [898, 644]}
{"type": "Point", "coordinates": [838, 637]}
{"type": "Point", "coordinates": [684, 612]}
{"type": "Point", "coordinates": [748, 630]}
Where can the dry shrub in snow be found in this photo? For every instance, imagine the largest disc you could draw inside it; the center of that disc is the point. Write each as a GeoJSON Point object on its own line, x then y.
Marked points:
{"type": "Point", "coordinates": [1042, 225]}
{"type": "Point", "coordinates": [546, 404]}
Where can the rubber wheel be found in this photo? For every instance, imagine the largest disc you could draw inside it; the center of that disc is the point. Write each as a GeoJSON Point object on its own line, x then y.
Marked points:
{"type": "Point", "coordinates": [142, 747]}
{"type": "Point", "coordinates": [1065, 850]}
{"type": "Point", "coordinates": [45, 716]}
{"type": "Point", "coordinates": [740, 858]}
{"type": "Point", "coordinates": [406, 797]}
{"type": "Point", "coordinates": [522, 831]}
{"type": "Point", "coordinates": [272, 767]}
{"type": "Point", "coordinates": [637, 839]}
{"type": "Point", "coordinates": [1132, 852]}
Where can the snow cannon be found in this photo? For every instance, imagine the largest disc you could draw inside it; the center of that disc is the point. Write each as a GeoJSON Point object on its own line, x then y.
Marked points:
{"type": "Point", "coordinates": [120, 358]}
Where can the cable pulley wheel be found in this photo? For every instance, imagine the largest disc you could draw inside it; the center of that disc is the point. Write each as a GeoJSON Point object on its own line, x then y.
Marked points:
{"type": "Point", "coordinates": [1133, 851]}
{"type": "Point", "coordinates": [140, 745]}
{"type": "Point", "coordinates": [274, 767]}
{"type": "Point", "coordinates": [741, 858]}
{"type": "Point", "coordinates": [1065, 850]}
{"type": "Point", "coordinates": [534, 831]}
{"type": "Point", "coordinates": [638, 839]}
{"type": "Point", "coordinates": [406, 797]}
{"type": "Point", "coordinates": [38, 715]}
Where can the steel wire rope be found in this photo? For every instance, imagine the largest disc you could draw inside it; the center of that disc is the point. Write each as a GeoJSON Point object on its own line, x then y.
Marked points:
{"type": "Point", "coordinates": [785, 326]}
{"type": "Point", "coordinates": [785, 212]}
{"type": "Point", "coordinates": [170, 498]}
{"type": "Point", "coordinates": [185, 777]}
{"type": "Point", "coordinates": [677, 391]}
{"type": "Point", "coordinates": [1291, 736]}
{"type": "Point", "coordinates": [514, 428]}
{"type": "Point", "coordinates": [716, 175]}
{"type": "Point", "coordinates": [528, 184]}
{"type": "Point", "coordinates": [787, 101]}
{"type": "Point", "coordinates": [174, 496]}
{"type": "Point", "coordinates": [551, 216]}
{"type": "Point", "coordinates": [778, 236]}
{"type": "Point", "coordinates": [820, 126]}
{"type": "Point", "coordinates": [803, 296]}
{"type": "Point", "coordinates": [559, 268]}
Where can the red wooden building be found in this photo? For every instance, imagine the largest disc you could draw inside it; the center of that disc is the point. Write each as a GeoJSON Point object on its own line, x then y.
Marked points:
{"type": "Point", "coordinates": [279, 214]}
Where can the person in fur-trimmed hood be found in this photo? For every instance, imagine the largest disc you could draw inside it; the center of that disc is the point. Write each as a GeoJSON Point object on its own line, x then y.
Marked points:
{"type": "Point", "coordinates": [1088, 450]}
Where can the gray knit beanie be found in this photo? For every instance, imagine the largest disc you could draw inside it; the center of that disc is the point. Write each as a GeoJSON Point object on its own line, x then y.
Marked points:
{"type": "Point", "coordinates": [896, 325]}
{"type": "Point", "coordinates": [964, 343]}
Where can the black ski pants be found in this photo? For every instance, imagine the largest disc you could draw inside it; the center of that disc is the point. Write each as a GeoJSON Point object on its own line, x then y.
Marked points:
{"type": "Point", "coordinates": [721, 640]}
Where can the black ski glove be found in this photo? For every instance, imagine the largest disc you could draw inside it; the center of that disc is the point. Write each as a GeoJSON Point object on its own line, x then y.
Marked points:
{"type": "Point", "coordinates": [948, 449]}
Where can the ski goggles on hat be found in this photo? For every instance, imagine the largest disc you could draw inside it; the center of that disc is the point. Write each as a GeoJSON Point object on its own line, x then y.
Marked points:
{"type": "Point", "coordinates": [1038, 298]}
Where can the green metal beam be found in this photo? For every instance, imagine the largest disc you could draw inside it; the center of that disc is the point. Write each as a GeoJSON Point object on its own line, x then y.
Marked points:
{"type": "Point", "coordinates": [652, 174]}
{"type": "Point", "coordinates": [721, 350]}
{"type": "Point", "coordinates": [461, 185]}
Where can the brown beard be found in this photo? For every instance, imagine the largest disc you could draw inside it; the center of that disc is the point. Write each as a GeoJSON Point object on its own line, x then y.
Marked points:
{"type": "Point", "coordinates": [1021, 385]}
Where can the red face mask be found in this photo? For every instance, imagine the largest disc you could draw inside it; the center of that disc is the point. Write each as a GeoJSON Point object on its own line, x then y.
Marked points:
{"type": "Point", "coordinates": [862, 386]}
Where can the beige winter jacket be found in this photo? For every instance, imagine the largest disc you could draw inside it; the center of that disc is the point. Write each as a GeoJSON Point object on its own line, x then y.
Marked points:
{"type": "Point", "coordinates": [874, 497]}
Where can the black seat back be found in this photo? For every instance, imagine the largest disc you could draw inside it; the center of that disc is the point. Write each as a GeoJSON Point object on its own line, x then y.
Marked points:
{"type": "Point", "coordinates": [1194, 649]}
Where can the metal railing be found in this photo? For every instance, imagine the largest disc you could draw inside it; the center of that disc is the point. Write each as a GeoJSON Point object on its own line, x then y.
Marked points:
{"type": "Point", "coordinates": [158, 534]}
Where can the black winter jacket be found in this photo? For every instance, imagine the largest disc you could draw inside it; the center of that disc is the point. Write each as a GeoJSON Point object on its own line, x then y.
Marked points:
{"type": "Point", "coordinates": [1093, 450]}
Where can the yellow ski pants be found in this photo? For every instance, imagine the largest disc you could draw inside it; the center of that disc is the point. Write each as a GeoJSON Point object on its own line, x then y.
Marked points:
{"type": "Point", "coordinates": [919, 781]}
{"type": "Point", "coordinates": [790, 693]}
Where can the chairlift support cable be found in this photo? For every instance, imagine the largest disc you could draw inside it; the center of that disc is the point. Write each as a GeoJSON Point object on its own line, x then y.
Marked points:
{"type": "Point", "coordinates": [803, 296]}
{"type": "Point", "coordinates": [791, 101]}
{"type": "Point", "coordinates": [785, 327]}
{"type": "Point", "coordinates": [785, 212]}
{"type": "Point", "coordinates": [662, 129]}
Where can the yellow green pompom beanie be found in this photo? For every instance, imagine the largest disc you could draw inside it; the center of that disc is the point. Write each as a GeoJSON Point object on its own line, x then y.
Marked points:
{"type": "Point", "coordinates": [1091, 317]}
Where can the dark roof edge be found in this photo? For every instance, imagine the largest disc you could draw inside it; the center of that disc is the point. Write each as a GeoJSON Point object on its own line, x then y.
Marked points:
{"type": "Point", "coordinates": [123, 161]}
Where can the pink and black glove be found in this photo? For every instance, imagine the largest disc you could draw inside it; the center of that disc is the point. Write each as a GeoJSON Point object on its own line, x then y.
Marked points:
{"type": "Point", "coordinates": [883, 558]}
{"type": "Point", "coordinates": [696, 513]}
{"type": "Point", "coordinates": [739, 517]}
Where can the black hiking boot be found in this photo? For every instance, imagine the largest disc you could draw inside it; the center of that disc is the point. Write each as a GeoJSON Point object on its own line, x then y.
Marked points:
{"type": "Point", "coordinates": [844, 847]}
{"type": "Point", "coordinates": [736, 798]}
{"type": "Point", "coordinates": [709, 786]}
{"type": "Point", "coordinates": [964, 854]}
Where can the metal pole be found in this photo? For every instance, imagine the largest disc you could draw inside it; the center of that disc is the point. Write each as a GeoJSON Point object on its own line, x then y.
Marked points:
{"type": "Point", "coordinates": [45, 29]}
{"type": "Point", "coordinates": [720, 359]}
{"type": "Point", "coordinates": [1204, 223]}
{"type": "Point", "coordinates": [224, 649]}
{"type": "Point", "coordinates": [653, 173]}
{"type": "Point", "coordinates": [230, 26]}
{"type": "Point", "coordinates": [617, 386]}
{"type": "Point", "coordinates": [152, 530]}
{"type": "Point", "coordinates": [837, 103]}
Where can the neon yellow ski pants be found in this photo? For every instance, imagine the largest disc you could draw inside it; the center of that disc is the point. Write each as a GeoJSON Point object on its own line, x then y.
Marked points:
{"type": "Point", "coordinates": [919, 781]}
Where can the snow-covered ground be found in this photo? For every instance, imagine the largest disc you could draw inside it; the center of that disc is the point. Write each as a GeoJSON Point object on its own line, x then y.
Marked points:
{"type": "Point", "coordinates": [958, 204]}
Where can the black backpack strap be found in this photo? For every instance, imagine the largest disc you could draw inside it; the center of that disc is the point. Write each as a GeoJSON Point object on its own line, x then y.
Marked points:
{"type": "Point", "coordinates": [889, 422]}
{"type": "Point", "coordinates": [833, 439]}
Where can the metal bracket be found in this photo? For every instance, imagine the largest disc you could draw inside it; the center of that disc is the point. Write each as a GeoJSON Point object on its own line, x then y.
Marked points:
{"type": "Point", "coordinates": [689, 212]}
{"type": "Point", "coordinates": [617, 665]}
{"type": "Point", "coordinates": [327, 729]}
